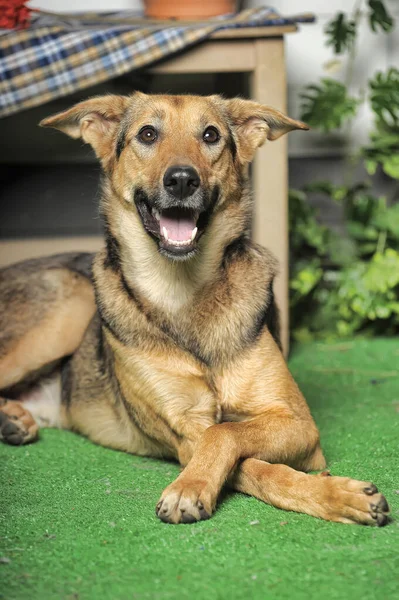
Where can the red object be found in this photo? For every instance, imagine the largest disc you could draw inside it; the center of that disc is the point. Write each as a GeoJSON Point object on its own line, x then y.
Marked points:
{"type": "Point", "coordinates": [14, 14]}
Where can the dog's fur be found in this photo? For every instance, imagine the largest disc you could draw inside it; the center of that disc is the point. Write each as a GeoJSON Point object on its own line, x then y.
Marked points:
{"type": "Point", "coordinates": [163, 350]}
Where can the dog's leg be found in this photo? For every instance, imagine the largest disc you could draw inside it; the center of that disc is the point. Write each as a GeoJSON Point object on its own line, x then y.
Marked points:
{"type": "Point", "coordinates": [44, 322]}
{"type": "Point", "coordinates": [45, 307]}
{"type": "Point", "coordinates": [337, 499]}
{"type": "Point", "coordinates": [276, 436]}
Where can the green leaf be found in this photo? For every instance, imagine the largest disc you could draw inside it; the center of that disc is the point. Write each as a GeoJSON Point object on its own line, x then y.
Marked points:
{"type": "Point", "coordinates": [383, 150]}
{"type": "Point", "coordinates": [371, 166]}
{"type": "Point", "coordinates": [341, 250]}
{"type": "Point", "coordinates": [305, 231]}
{"type": "Point", "coordinates": [384, 142]}
{"type": "Point", "coordinates": [335, 192]}
{"type": "Point", "coordinates": [391, 166]}
{"type": "Point", "coordinates": [366, 249]}
{"type": "Point", "coordinates": [388, 220]}
{"type": "Point", "coordinates": [383, 272]}
{"type": "Point", "coordinates": [384, 98]}
{"type": "Point", "coordinates": [360, 206]}
{"type": "Point", "coordinates": [341, 33]}
{"type": "Point", "coordinates": [394, 307]}
{"type": "Point", "coordinates": [328, 105]}
{"type": "Point", "coordinates": [361, 232]}
{"type": "Point", "coordinates": [379, 16]}
{"type": "Point", "coordinates": [324, 187]}
{"type": "Point", "coordinates": [305, 279]}
{"type": "Point", "coordinates": [303, 335]}
{"type": "Point", "coordinates": [382, 312]}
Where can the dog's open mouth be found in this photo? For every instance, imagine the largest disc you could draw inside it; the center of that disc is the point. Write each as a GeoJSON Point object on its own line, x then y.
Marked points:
{"type": "Point", "coordinates": [176, 229]}
{"type": "Point", "coordinates": [177, 226]}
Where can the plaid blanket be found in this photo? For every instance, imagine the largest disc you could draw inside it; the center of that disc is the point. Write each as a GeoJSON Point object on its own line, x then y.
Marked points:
{"type": "Point", "coordinates": [59, 55]}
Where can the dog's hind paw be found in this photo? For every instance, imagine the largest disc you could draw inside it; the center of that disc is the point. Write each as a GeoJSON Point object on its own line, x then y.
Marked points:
{"type": "Point", "coordinates": [182, 503]}
{"type": "Point", "coordinates": [17, 426]}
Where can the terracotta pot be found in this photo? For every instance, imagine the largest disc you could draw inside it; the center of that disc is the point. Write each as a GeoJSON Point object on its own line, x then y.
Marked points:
{"type": "Point", "coordinates": [188, 9]}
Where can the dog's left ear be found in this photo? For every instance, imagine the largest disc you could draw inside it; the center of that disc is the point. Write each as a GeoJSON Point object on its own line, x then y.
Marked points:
{"type": "Point", "coordinates": [255, 123]}
{"type": "Point", "coordinates": [96, 121]}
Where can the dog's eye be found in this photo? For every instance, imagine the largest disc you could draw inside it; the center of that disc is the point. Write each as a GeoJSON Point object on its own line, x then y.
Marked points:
{"type": "Point", "coordinates": [147, 135]}
{"type": "Point", "coordinates": [211, 135]}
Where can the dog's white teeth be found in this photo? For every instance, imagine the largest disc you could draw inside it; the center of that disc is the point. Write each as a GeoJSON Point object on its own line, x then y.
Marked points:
{"type": "Point", "coordinates": [179, 243]}
{"type": "Point", "coordinates": [156, 214]}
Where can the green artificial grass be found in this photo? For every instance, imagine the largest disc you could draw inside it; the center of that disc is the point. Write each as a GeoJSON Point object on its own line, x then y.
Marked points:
{"type": "Point", "coordinates": [78, 520]}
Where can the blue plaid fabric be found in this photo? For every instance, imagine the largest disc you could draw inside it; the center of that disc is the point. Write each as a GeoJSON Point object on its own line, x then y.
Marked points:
{"type": "Point", "coordinates": [59, 55]}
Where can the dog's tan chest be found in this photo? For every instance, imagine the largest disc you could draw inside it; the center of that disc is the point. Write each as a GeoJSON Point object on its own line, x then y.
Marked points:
{"type": "Point", "coordinates": [174, 397]}
{"type": "Point", "coordinates": [170, 395]}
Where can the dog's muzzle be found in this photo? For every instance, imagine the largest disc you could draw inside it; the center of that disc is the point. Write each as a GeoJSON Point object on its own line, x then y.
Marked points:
{"type": "Point", "coordinates": [177, 217]}
{"type": "Point", "coordinates": [179, 211]}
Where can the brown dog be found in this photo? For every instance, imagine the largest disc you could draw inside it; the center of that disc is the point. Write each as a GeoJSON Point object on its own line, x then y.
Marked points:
{"type": "Point", "coordinates": [167, 343]}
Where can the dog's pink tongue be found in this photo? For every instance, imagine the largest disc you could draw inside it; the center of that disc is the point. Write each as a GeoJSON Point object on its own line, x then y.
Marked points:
{"type": "Point", "coordinates": [179, 228]}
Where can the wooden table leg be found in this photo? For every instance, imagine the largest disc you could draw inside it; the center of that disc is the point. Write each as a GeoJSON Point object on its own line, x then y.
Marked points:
{"type": "Point", "coordinates": [270, 172]}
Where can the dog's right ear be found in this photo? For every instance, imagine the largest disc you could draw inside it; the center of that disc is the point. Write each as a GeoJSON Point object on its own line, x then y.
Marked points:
{"type": "Point", "coordinates": [96, 121]}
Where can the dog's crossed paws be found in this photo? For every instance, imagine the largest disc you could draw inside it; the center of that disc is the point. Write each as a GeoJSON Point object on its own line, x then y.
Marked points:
{"type": "Point", "coordinates": [339, 499]}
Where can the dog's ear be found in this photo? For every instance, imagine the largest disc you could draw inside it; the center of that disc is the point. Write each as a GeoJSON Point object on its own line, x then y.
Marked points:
{"type": "Point", "coordinates": [255, 123]}
{"type": "Point", "coordinates": [96, 121]}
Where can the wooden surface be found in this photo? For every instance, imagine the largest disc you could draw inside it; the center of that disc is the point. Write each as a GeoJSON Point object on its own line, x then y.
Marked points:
{"type": "Point", "coordinates": [222, 56]}
{"type": "Point", "coordinates": [254, 32]}
{"type": "Point", "coordinates": [12, 251]}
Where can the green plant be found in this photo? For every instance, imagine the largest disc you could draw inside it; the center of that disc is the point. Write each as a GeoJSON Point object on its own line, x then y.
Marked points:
{"type": "Point", "coordinates": [347, 282]}
{"type": "Point", "coordinates": [384, 141]}
{"type": "Point", "coordinates": [341, 33]}
{"type": "Point", "coordinates": [327, 105]}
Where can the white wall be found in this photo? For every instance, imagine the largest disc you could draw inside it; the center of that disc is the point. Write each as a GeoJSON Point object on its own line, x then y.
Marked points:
{"type": "Point", "coordinates": [306, 58]}
{"type": "Point", "coordinates": [83, 5]}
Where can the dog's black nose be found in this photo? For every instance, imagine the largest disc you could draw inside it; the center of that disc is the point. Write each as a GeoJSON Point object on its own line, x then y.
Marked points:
{"type": "Point", "coordinates": [181, 182]}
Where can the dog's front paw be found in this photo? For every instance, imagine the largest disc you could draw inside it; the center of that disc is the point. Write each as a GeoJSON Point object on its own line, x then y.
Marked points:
{"type": "Point", "coordinates": [185, 502]}
{"type": "Point", "coordinates": [352, 501]}
{"type": "Point", "coordinates": [17, 426]}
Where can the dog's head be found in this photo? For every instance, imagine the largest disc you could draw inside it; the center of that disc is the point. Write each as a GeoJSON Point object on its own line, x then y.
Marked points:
{"type": "Point", "coordinates": [174, 160]}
